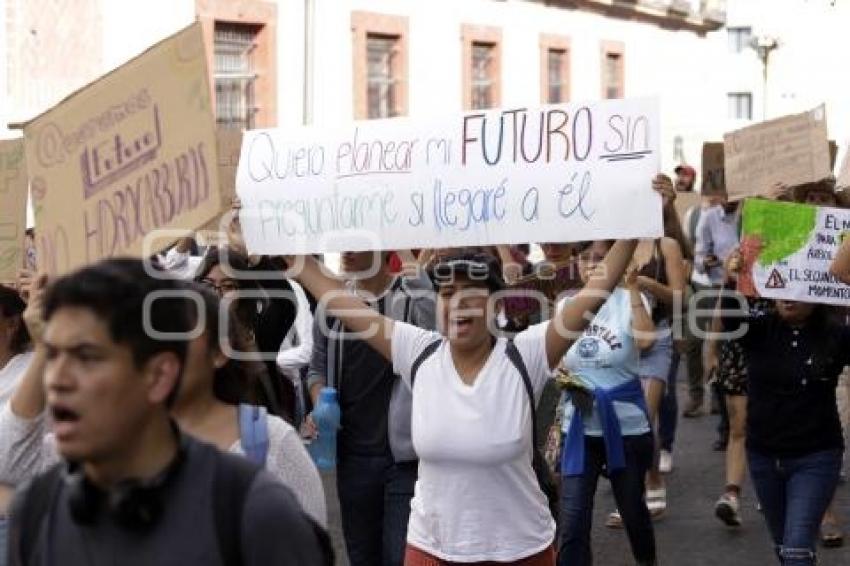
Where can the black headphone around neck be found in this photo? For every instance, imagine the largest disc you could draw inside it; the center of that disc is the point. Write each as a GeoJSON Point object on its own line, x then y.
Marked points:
{"type": "Point", "coordinates": [134, 504]}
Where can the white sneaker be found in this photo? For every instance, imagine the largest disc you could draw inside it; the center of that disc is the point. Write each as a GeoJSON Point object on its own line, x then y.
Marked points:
{"type": "Point", "coordinates": [665, 462]}
{"type": "Point", "coordinates": [726, 510]}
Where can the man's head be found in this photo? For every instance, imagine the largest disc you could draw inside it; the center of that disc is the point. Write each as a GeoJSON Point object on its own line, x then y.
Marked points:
{"type": "Point", "coordinates": [557, 252]}
{"type": "Point", "coordinates": [14, 337]}
{"type": "Point", "coordinates": [820, 193]}
{"type": "Point", "coordinates": [685, 177]}
{"type": "Point", "coordinates": [464, 285]}
{"type": "Point", "coordinates": [108, 375]}
{"type": "Point", "coordinates": [365, 265]}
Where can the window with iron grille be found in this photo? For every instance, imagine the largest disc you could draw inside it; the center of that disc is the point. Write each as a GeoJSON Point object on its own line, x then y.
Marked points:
{"type": "Point", "coordinates": [740, 105]}
{"type": "Point", "coordinates": [382, 75]}
{"type": "Point", "coordinates": [612, 75]}
{"type": "Point", "coordinates": [234, 74]}
{"type": "Point", "coordinates": [739, 38]}
{"type": "Point", "coordinates": [556, 65]}
{"type": "Point", "coordinates": [483, 75]}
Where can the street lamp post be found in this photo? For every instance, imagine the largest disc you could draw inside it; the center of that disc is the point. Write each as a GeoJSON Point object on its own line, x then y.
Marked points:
{"type": "Point", "coordinates": [764, 46]}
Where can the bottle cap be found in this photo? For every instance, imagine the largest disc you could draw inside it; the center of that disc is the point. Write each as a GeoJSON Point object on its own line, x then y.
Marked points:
{"type": "Point", "coordinates": [328, 395]}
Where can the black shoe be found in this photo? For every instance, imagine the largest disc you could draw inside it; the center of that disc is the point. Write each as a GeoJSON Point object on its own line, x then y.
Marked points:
{"type": "Point", "coordinates": [719, 445]}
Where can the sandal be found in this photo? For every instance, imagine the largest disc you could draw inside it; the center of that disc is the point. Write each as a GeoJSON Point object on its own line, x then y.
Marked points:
{"type": "Point", "coordinates": [831, 535]}
{"type": "Point", "coordinates": [656, 502]}
{"type": "Point", "coordinates": [614, 521]}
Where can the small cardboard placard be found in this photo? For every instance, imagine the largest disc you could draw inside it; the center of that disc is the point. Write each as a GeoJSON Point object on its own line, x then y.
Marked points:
{"type": "Point", "coordinates": [792, 150]}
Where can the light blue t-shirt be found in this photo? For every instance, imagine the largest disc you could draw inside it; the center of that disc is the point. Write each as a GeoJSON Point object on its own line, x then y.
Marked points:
{"type": "Point", "coordinates": [606, 356]}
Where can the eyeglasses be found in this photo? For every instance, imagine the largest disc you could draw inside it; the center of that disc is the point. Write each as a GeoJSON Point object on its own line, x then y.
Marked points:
{"type": "Point", "coordinates": [226, 286]}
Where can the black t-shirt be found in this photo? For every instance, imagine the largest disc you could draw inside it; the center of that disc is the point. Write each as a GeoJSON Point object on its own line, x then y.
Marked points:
{"type": "Point", "coordinates": [793, 373]}
{"type": "Point", "coordinates": [365, 383]}
{"type": "Point", "coordinates": [274, 528]}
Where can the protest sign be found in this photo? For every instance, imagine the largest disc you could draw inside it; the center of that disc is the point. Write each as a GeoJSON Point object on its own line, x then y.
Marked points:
{"type": "Point", "coordinates": [787, 249]}
{"type": "Point", "coordinates": [843, 177]}
{"type": "Point", "coordinates": [792, 149]}
{"type": "Point", "coordinates": [131, 153]}
{"type": "Point", "coordinates": [713, 169]}
{"type": "Point", "coordinates": [525, 302]}
{"type": "Point", "coordinates": [559, 173]}
{"type": "Point", "coordinates": [228, 146]}
{"type": "Point", "coordinates": [13, 208]}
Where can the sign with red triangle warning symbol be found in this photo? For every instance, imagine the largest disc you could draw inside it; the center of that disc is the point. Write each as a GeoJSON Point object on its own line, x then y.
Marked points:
{"type": "Point", "coordinates": [775, 281]}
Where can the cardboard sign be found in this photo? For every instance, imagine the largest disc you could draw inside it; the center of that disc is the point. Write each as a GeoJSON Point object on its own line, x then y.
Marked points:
{"type": "Point", "coordinates": [13, 208]}
{"type": "Point", "coordinates": [132, 153]}
{"type": "Point", "coordinates": [792, 149]}
{"type": "Point", "coordinates": [524, 304]}
{"type": "Point", "coordinates": [787, 250]}
{"type": "Point", "coordinates": [558, 173]}
{"type": "Point", "coordinates": [713, 169]}
{"type": "Point", "coordinates": [843, 177]}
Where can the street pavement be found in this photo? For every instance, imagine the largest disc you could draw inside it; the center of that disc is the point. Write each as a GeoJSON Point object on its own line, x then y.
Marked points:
{"type": "Point", "coordinates": [689, 534]}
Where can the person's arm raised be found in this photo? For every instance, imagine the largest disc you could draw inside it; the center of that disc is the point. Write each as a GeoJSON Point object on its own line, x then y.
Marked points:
{"type": "Point", "coordinates": [29, 399]}
{"type": "Point", "coordinates": [571, 320]}
{"type": "Point", "coordinates": [355, 314]}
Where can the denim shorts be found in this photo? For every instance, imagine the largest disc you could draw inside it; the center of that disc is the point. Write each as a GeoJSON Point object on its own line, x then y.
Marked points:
{"type": "Point", "coordinates": [655, 363]}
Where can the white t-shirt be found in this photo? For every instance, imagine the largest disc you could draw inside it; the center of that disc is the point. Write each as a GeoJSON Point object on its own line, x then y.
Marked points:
{"type": "Point", "coordinates": [477, 498]}
{"type": "Point", "coordinates": [11, 374]}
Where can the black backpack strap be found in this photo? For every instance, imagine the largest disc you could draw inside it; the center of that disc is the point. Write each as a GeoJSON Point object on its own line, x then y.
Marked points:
{"type": "Point", "coordinates": [232, 480]}
{"type": "Point", "coordinates": [33, 510]}
{"type": "Point", "coordinates": [423, 355]}
{"type": "Point", "coordinates": [516, 359]}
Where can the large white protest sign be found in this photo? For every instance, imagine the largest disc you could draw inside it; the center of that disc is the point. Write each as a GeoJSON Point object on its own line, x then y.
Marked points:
{"type": "Point", "coordinates": [787, 249]}
{"type": "Point", "coordinates": [554, 174]}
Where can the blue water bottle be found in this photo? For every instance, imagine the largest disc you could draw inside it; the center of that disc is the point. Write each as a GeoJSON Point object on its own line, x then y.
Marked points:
{"type": "Point", "coordinates": [326, 416]}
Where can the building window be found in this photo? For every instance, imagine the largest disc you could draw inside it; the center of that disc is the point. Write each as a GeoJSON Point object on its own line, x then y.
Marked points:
{"type": "Point", "coordinates": [483, 75]}
{"type": "Point", "coordinates": [382, 75]}
{"type": "Point", "coordinates": [739, 38]}
{"type": "Point", "coordinates": [241, 46]}
{"type": "Point", "coordinates": [380, 65]}
{"type": "Point", "coordinates": [555, 72]}
{"type": "Point", "coordinates": [554, 69]}
{"type": "Point", "coordinates": [481, 67]}
{"type": "Point", "coordinates": [740, 105]}
{"type": "Point", "coordinates": [613, 70]}
{"type": "Point", "coordinates": [235, 77]}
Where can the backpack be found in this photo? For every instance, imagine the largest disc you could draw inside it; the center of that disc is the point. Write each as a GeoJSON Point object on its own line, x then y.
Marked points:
{"type": "Point", "coordinates": [254, 433]}
{"type": "Point", "coordinates": [545, 478]}
{"type": "Point", "coordinates": [228, 506]}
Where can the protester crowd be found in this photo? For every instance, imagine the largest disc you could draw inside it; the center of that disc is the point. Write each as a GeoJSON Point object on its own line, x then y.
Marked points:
{"type": "Point", "coordinates": [162, 411]}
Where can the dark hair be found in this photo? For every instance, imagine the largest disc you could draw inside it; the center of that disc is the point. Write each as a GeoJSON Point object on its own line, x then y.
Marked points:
{"type": "Point", "coordinates": [12, 306]}
{"type": "Point", "coordinates": [245, 309]}
{"type": "Point", "coordinates": [237, 381]}
{"type": "Point", "coordinates": [115, 290]}
{"type": "Point", "coordinates": [481, 267]}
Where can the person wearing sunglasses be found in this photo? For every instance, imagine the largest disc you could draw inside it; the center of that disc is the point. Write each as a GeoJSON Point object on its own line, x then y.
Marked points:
{"type": "Point", "coordinates": [477, 496]}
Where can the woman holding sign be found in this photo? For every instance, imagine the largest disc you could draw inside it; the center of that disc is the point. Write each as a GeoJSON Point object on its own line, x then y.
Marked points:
{"type": "Point", "coordinates": [794, 439]}
{"type": "Point", "coordinates": [478, 497]}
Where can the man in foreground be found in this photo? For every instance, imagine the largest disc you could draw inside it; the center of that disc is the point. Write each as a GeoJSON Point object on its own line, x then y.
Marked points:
{"type": "Point", "coordinates": [132, 489]}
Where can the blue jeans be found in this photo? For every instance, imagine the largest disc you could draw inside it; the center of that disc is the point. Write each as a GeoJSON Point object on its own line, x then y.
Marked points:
{"type": "Point", "coordinates": [794, 494]}
{"type": "Point", "coordinates": [628, 486]}
{"type": "Point", "coordinates": [4, 532]}
{"type": "Point", "coordinates": [668, 411]}
{"type": "Point", "coordinates": [374, 499]}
